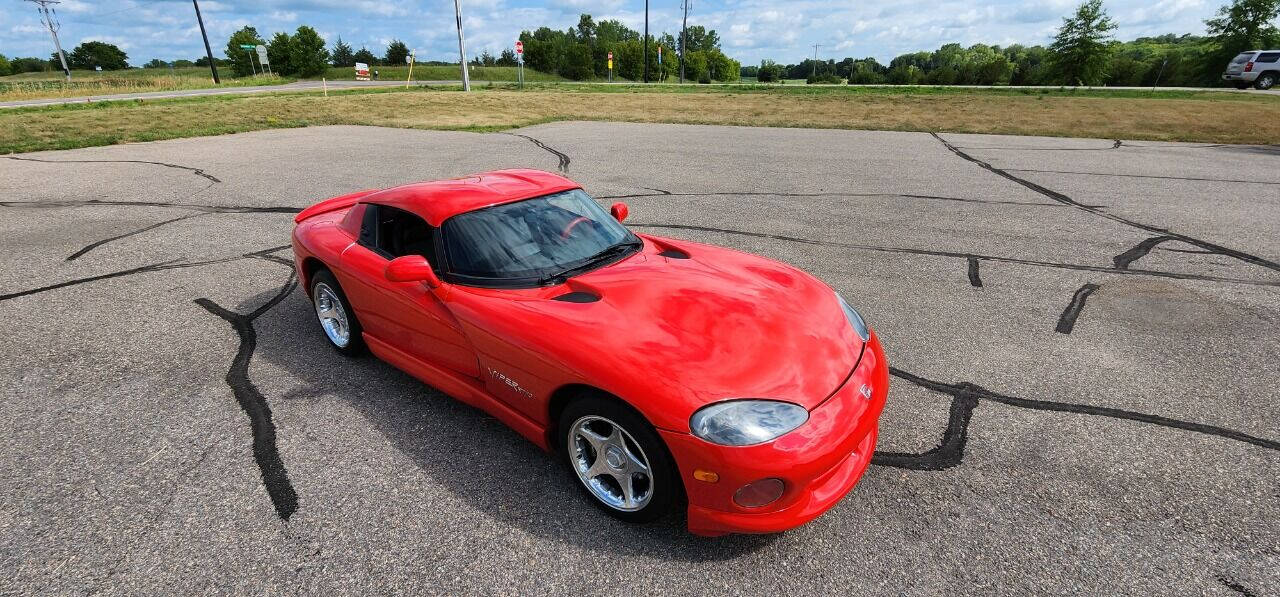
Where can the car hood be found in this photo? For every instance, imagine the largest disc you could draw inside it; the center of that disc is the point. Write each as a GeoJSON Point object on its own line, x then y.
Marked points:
{"type": "Point", "coordinates": [680, 325]}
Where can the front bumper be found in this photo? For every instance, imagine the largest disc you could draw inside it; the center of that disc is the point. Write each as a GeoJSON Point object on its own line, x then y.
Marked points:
{"type": "Point", "coordinates": [819, 462]}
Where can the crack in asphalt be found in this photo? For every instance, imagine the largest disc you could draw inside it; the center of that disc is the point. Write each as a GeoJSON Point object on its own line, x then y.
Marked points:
{"type": "Point", "coordinates": [1123, 260]}
{"type": "Point", "coordinates": [1235, 586]}
{"type": "Point", "coordinates": [1192, 178]}
{"type": "Point", "coordinates": [966, 256]}
{"type": "Point", "coordinates": [966, 396]}
{"type": "Point", "coordinates": [153, 267]}
{"type": "Point", "coordinates": [1117, 144]}
{"type": "Point", "coordinates": [93, 245]}
{"type": "Point", "coordinates": [275, 477]}
{"type": "Point", "coordinates": [1067, 321]}
{"type": "Point", "coordinates": [239, 209]}
{"type": "Point", "coordinates": [662, 193]}
{"type": "Point", "coordinates": [974, 279]}
{"type": "Point", "coordinates": [564, 159]}
{"type": "Point", "coordinates": [1061, 198]}
{"type": "Point", "coordinates": [197, 171]}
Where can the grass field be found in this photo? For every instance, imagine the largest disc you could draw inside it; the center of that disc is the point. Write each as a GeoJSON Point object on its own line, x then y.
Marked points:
{"type": "Point", "coordinates": [86, 82]}
{"type": "Point", "coordinates": [1173, 116]}
{"type": "Point", "coordinates": [83, 83]}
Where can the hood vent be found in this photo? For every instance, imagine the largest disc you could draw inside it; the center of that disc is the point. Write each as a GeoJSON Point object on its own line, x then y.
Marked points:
{"type": "Point", "coordinates": [674, 253]}
{"type": "Point", "coordinates": [577, 297]}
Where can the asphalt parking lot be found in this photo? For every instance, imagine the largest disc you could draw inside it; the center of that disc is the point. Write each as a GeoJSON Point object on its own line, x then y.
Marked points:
{"type": "Point", "coordinates": [1084, 336]}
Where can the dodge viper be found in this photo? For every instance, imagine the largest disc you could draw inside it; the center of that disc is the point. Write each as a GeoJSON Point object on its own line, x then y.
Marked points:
{"type": "Point", "coordinates": [664, 373]}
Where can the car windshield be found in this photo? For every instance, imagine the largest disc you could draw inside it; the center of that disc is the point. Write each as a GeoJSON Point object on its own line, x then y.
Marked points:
{"type": "Point", "coordinates": [1241, 59]}
{"type": "Point", "coordinates": [533, 241]}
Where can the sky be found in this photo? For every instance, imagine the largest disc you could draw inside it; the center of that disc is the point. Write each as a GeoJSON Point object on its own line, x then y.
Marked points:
{"type": "Point", "coordinates": [750, 30]}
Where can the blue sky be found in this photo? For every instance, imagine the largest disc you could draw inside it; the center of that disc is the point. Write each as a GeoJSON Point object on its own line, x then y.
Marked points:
{"type": "Point", "coordinates": [750, 29]}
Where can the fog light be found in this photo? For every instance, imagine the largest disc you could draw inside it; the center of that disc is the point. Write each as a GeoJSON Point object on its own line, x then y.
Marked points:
{"type": "Point", "coordinates": [759, 493]}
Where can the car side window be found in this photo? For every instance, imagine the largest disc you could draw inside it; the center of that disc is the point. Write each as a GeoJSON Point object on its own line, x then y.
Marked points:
{"type": "Point", "coordinates": [393, 232]}
{"type": "Point", "coordinates": [1268, 56]}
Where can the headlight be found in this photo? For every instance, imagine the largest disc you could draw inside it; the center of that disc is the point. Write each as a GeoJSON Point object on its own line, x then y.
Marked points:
{"type": "Point", "coordinates": [746, 422]}
{"type": "Point", "coordinates": [855, 319]}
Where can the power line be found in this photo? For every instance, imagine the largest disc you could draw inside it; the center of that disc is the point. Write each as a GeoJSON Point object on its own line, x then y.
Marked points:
{"type": "Point", "coordinates": [50, 20]}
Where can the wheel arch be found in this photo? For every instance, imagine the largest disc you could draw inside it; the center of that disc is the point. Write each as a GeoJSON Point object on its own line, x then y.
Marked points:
{"type": "Point", "coordinates": [310, 266]}
{"type": "Point", "coordinates": [565, 394]}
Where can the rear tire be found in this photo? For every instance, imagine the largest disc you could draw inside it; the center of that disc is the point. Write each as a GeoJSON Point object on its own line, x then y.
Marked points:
{"type": "Point", "coordinates": [1264, 81]}
{"type": "Point", "coordinates": [623, 466]}
{"type": "Point", "coordinates": [337, 320]}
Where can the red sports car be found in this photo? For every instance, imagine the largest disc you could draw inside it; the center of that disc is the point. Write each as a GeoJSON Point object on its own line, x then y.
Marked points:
{"type": "Point", "coordinates": [664, 372]}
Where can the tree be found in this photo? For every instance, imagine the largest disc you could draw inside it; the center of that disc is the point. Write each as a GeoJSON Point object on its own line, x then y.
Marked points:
{"type": "Point", "coordinates": [28, 65]}
{"type": "Point", "coordinates": [341, 55]}
{"type": "Point", "coordinates": [363, 55]}
{"type": "Point", "coordinates": [184, 63]}
{"type": "Point", "coordinates": [92, 54]}
{"type": "Point", "coordinates": [1082, 47]}
{"type": "Point", "coordinates": [242, 59]}
{"type": "Point", "coordinates": [586, 29]}
{"type": "Point", "coordinates": [769, 72]}
{"type": "Point", "coordinates": [5, 67]}
{"type": "Point", "coordinates": [278, 54]}
{"type": "Point", "coordinates": [156, 63]}
{"type": "Point", "coordinates": [507, 58]}
{"type": "Point", "coordinates": [396, 53]}
{"type": "Point", "coordinates": [1243, 25]}
{"type": "Point", "coordinates": [307, 54]}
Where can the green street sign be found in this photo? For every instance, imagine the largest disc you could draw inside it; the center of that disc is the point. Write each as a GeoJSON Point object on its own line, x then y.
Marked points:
{"type": "Point", "coordinates": [246, 46]}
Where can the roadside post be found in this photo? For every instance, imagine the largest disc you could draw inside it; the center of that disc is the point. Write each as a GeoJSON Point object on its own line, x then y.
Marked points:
{"type": "Point", "coordinates": [520, 62]}
{"type": "Point", "coordinates": [610, 67]}
{"type": "Point", "coordinates": [409, 59]}
{"type": "Point", "coordinates": [262, 58]}
{"type": "Point", "coordinates": [250, 57]}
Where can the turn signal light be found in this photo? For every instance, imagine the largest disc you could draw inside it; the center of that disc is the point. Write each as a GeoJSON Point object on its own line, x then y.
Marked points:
{"type": "Point", "coordinates": [1248, 67]}
{"type": "Point", "coordinates": [706, 476]}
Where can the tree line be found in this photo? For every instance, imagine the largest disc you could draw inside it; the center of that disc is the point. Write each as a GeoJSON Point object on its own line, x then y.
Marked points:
{"type": "Point", "coordinates": [582, 52]}
{"type": "Point", "coordinates": [1082, 53]}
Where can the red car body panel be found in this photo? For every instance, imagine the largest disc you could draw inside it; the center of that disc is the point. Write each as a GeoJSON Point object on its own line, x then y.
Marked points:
{"type": "Point", "coordinates": [677, 325]}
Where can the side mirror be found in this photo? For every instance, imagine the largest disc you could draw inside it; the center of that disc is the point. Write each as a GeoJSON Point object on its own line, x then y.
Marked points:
{"type": "Point", "coordinates": [412, 268]}
{"type": "Point", "coordinates": [619, 211]}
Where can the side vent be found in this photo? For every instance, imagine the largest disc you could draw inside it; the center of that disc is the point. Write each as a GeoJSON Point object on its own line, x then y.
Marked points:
{"type": "Point", "coordinates": [577, 297]}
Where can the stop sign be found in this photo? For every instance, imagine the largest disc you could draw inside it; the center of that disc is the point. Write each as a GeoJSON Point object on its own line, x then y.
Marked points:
{"type": "Point", "coordinates": [610, 55]}
{"type": "Point", "coordinates": [519, 47]}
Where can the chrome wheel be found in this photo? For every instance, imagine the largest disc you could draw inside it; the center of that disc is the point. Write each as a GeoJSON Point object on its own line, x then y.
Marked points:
{"type": "Point", "coordinates": [610, 463]}
{"type": "Point", "coordinates": [332, 315]}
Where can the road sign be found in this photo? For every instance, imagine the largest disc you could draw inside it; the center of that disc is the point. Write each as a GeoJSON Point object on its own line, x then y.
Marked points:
{"type": "Point", "coordinates": [362, 71]}
{"type": "Point", "coordinates": [246, 46]}
{"type": "Point", "coordinates": [659, 55]}
{"type": "Point", "coordinates": [519, 47]}
{"type": "Point", "coordinates": [262, 54]}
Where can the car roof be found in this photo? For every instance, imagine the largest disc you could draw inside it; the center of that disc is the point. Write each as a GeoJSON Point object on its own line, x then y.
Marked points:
{"type": "Point", "coordinates": [439, 200]}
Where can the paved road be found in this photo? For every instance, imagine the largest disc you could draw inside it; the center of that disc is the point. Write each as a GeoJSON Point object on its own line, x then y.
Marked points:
{"type": "Point", "coordinates": [319, 86]}
{"type": "Point", "coordinates": [1084, 334]}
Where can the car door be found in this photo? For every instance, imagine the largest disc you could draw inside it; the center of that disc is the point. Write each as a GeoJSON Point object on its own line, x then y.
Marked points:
{"type": "Point", "coordinates": [406, 315]}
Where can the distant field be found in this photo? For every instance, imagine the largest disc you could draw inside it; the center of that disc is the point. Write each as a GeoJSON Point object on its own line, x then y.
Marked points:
{"type": "Point", "coordinates": [442, 73]}
{"type": "Point", "coordinates": [1211, 117]}
{"type": "Point", "coordinates": [135, 80]}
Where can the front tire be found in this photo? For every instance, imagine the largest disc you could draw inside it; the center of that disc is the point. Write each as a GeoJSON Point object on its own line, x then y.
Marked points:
{"type": "Point", "coordinates": [622, 464]}
{"type": "Point", "coordinates": [1264, 81]}
{"type": "Point", "coordinates": [337, 321]}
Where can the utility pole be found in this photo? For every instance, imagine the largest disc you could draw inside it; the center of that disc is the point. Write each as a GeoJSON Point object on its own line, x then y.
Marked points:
{"type": "Point", "coordinates": [51, 23]}
{"type": "Point", "coordinates": [462, 52]}
{"type": "Point", "coordinates": [684, 38]}
{"type": "Point", "coordinates": [208, 52]}
{"type": "Point", "coordinates": [815, 59]}
{"type": "Point", "coordinates": [646, 41]}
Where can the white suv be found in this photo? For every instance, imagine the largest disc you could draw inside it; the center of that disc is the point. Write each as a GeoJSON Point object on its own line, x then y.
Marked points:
{"type": "Point", "coordinates": [1259, 67]}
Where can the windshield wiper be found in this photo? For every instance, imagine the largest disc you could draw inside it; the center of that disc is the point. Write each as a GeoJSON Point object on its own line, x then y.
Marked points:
{"type": "Point", "coordinates": [606, 253]}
